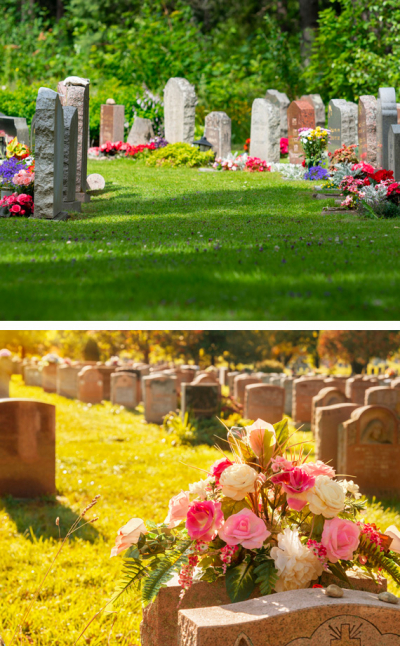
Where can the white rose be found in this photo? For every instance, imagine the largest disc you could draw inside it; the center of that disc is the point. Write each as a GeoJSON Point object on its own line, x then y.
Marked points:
{"type": "Point", "coordinates": [237, 481]}
{"type": "Point", "coordinates": [297, 565]}
{"type": "Point", "coordinates": [200, 488]}
{"type": "Point", "coordinates": [350, 487]}
{"type": "Point", "coordinates": [326, 497]}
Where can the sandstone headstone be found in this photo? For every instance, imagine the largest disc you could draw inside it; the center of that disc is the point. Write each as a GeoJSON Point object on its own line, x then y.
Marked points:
{"type": "Point", "coordinates": [265, 131]}
{"type": "Point", "coordinates": [383, 396]}
{"type": "Point", "coordinates": [106, 372]}
{"type": "Point", "coordinates": [123, 389]}
{"type": "Point", "coordinates": [282, 102]}
{"type": "Point", "coordinates": [356, 388]}
{"type": "Point", "coordinates": [95, 182]}
{"type": "Point", "coordinates": [141, 132]}
{"type": "Point", "coordinates": [70, 158]}
{"type": "Point", "coordinates": [27, 448]}
{"type": "Point", "coordinates": [15, 127]}
{"type": "Point", "coordinates": [112, 120]}
{"type": "Point", "coordinates": [240, 383]}
{"type": "Point", "coordinates": [342, 123]}
{"type": "Point", "coordinates": [386, 115]}
{"type": "Point", "coordinates": [394, 151]}
{"type": "Point", "coordinates": [303, 392]}
{"type": "Point", "coordinates": [319, 107]}
{"type": "Point", "coordinates": [264, 401]}
{"type": "Point", "coordinates": [159, 396]}
{"type": "Point", "coordinates": [369, 450]}
{"type": "Point", "coordinates": [217, 131]}
{"type": "Point", "coordinates": [179, 111]}
{"type": "Point", "coordinates": [202, 400]}
{"type": "Point", "coordinates": [326, 397]}
{"type": "Point", "coordinates": [367, 108]}
{"type": "Point", "coordinates": [49, 378]}
{"type": "Point", "coordinates": [90, 385]}
{"type": "Point", "coordinates": [67, 381]}
{"type": "Point", "coordinates": [300, 114]}
{"type": "Point", "coordinates": [49, 155]}
{"type": "Point", "coordinates": [327, 422]}
{"type": "Point", "coordinates": [6, 370]}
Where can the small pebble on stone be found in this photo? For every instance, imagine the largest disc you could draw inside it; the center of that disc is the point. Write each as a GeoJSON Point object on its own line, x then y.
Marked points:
{"type": "Point", "coordinates": [388, 597]}
{"type": "Point", "coordinates": [334, 591]}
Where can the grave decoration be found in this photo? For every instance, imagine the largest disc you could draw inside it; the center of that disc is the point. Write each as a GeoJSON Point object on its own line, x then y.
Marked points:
{"type": "Point", "coordinates": [262, 517]}
{"type": "Point", "coordinates": [17, 178]}
{"type": "Point", "coordinates": [314, 142]}
{"type": "Point", "coordinates": [231, 162]}
{"type": "Point", "coordinates": [284, 146]}
{"type": "Point", "coordinates": [343, 154]}
{"type": "Point", "coordinates": [120, 149]}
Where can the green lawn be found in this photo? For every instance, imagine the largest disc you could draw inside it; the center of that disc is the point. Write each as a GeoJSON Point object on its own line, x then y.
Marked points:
{"type": "Point", "coordinates": [165, 244]}
{"type": "Point", "coordinates": [134, 467]}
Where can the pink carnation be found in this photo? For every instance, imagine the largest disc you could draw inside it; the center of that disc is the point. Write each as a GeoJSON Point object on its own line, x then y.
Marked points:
{"type": "Point", "coordinates": [318, 468]}
{"type": "Point", "coordinates": [281, 464]}
{"type": "Point", "coordinates": [244, 528]}
{"type": "Point", "coordinates": [218, 467]}
{"type": "Point", "coordinates": [178, 508]}
{"type": "Point", "coordinates": [295, 482]}
{"type": "Point", "coordinates": [204, 519]}
{"type": "Point", "coordinates": [341, 538]}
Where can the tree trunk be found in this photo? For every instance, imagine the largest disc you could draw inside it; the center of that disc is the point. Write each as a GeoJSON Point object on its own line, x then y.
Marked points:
{"type": "Point", "coordinates": [356, 367]}
{"type": "Point", "coordinates": [308, 23]}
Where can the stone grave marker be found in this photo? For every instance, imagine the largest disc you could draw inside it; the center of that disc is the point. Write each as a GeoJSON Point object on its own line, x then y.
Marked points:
{"type": "Point", "coordinates": [67, 381]}
{"type": "Point", "coordinates": [33, 376]}
{"type": "Point", "coordinates": [179, 111]}
{"type": "Point", "coordinates": [336, 382]}
{"type": "Point", "coordinates": [112, 120]}
{"type": "Point", "coordinates": [159, 396]}
{"type": "Point", "coordinates": [74, 91]}
{"type": "Point", "coordinates": [32, 135]}
{"type": "Point", "coordinates": [49, 378]}
{"type": "Point", "coordinates": [300, 114]}
{"type": "Point", "coordinates": [15, 127]}
{"type": "Point", "coordinates": [383, 396]}
{"type": "Point", "coordinates": [223, 375]}
{"type": "Point", "coordinates": [343, 123]}
{"type": "Point", "coordinates": [95, 182]}
{"type": "Point", "coordinates": [394, 150]}
{"type": "Point", "coordinates": [356, 388]}
{"type": "Point", "coordinates": [6, 370]}
{"type": "Point", "coordinates": [70, 158]}
{"type": "Point", "coordinates": [230, 378]}
{"type": "Point", "coordinates": [264, 401]}
{"type": "Point", "coordinates": [141, 132]}
{"type": "Point", "coordinates": [367, 107]}
{"type": "Point", "coordinates": [49, 156]}
{"type": "Point", "coordinates": [395, 383]}
{"type": "Point", "coordinates": [27, 448]}
{"type": "Point", "coordinates": [327, 396]}
{"type": "Point", "coordinates": [327, 422]}
{"type": "Point", "coordinates": [386, 116]}
{"type": "Point", "coordinates": [303, 392]}
{"type": "Point", "coordinates": [288, 386]}
{"type": "Point", "coordinates": [240, 383]}
{"type": "Point", "coordinates": [265, 130]}
{"type": "Point", "coordinates": [123, 389]}
{"type": "Point", "coordinates": [139, 372]}
{"type": "Point", "coordinates": [90, 385]}
{"type": "Point", "coordinates": [319, 107]}
{"type": "Point", "coordinates": [202, 400]}
{"type": "Point", "coordinates": [106, 372]}
{"type": "Point", "coordinates": [369, 450]}
{"type": "Point", "coordinates": [217, 130]}
{"type": "Point", "coordinates": [281, 100]}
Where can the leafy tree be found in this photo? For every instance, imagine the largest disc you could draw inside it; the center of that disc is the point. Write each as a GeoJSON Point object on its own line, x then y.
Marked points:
{"type": "Point", "coordinates": [91, 351]}
{"type": "Point", "coordinates": [290, 344]}
{"type": "Point", "coordinates": [358, 347]}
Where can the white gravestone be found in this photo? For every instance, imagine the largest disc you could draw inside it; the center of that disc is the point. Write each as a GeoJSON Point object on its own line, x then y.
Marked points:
{"type": "Point", "coordinates": [281, 100]}
{"type": "Point", "coordinates": [265, 131]}
{"type": "Point", "coordinates": [179, 111]}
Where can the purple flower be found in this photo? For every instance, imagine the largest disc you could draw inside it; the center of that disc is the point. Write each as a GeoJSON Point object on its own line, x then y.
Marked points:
{"type": "Point", "coordinates": [9, 168]}
{"type": "Point", "coordinates": [316, 173]}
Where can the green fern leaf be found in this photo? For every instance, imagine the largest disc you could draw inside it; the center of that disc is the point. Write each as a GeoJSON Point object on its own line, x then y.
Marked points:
{"type": "Point", "coordinates": [267, 576]}
{"type": "Point", "coordinates": [167, 566]}
{"type": "Point", "coordinates": [379, 559]}
{"type": "Point", "coordinates": [132, 573]}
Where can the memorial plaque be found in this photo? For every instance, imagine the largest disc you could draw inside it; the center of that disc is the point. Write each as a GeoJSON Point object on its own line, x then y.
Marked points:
{"type": "Point", "coordinates": [264, 401]}
{"type": "Point", "coordinates": [367, 107]}
{"type": "Point", "coordinates": [300, 114]}
{"type": "Point", "coordinates": [217, 131]}
{"type": "Point", "coordinates": [319, 107]}
{"type": "Point", "coordinates": [386, 116]}
{"type": "Point", "coordinates": [394, 151]}
{"type": "Point", "coordinates": [265, 131]}
{"type": "Point", "coordinates": [281, 100]}
{"type": "Point", "coordinates": [327, 422]}
{"type": "Point", "coordinates": [303, 392]}
{"type": "Point", "coordinates": [112, 120]}
{"type": "Point", "coordinates": [202, 400]}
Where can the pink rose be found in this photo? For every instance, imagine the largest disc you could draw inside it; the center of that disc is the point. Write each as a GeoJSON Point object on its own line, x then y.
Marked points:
{"type": "Point", "coordinates": [318, 468]}
{"type": "Point", "coordinates": [128, 535]}
{"type": "Point", "coordinates": [24, 199]}
{"type": "Point", "coordinates": [218, 467]}
{"type": "Point", "coordinates": [204, 519]}
{"type": "Point", "coordinates": [15, 208]}
{"type": "Point", "coordinates": [341, 538]}
{"type": "Point", "coordinates": [244, 528]}
{"type": "Point", "coordinates": [178, 508]}
{"type": "Point", "coordinates": [262, 438]}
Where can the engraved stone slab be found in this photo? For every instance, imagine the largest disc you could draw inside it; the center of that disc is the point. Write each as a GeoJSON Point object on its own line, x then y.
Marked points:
{"type": "Point", "coordinates": [49, 378]}
{"type": "Point", "coordinates": [217, 130]}
{"type": "Point", "coordinates": [90, 385]}
{"type": "Point", "coordinates": [386, 115]}
{"type": "Point", "coordinates": [159, 397]}
{"type": "Point", "coordinates": [281, 100]}
{"type": "Point", "coordinates": [383, 396]}
{"type": "Point", "coordinates": [265, 130]}
{"type": "Point", "coordinates": [27, 448]}
{"type": "Point", "coordinates": [343, 123]}
{"type": "Point", "coordinates": [112, 120]}
{"type": "Point", "coordinates": [327, 396]}
{"type": "Point", "coordinates": [123, 389]}
{"type": "Point", "coordinates": [240, 383]}
{"type": "Point", "coordinates": [394, 150]}
{"type": "Point", "coordinates": [303, 392]}
{"type": "Point", "coordinates": [319, 107]}
{"type": "Point", "coordinates": [141, 132]}
{"type": "Point", "coordinates": [300, 114]}
{"type": "Point", "coordinates": [179, 111]}
{"type": "Point", "coordinates": [264, 401]}
{"type": "Point", "coordinates": [367, 107]}
{"type": "Point", "coordinates": [327, 422]}
{"type": "Point", "coordinates": [202, 400]}
{"type": "Point", "coordinates": [67, 381]}
{"type": "Point", "coordinates": [15, 127]}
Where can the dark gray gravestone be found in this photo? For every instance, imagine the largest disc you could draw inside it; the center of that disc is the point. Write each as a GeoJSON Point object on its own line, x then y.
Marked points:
{"type": "Point", "coordinates": [394, 150]}
{"type": "Point", "coordinates": [15, 127]}
{"type": "Point", "coordinates": [386, 115]}
{"type": "Point", "coordinates": [342, 122]}
{"type": "Point", "coordinates": [202, 400]}
{"type": "Point", "coordinates": [70, 158]}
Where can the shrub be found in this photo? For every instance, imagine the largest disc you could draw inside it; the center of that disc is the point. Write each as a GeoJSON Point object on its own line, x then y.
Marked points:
{"type": "Point", "coordinates": [270, 365]}
{"type": "Point", "coordinates": [180, 155]}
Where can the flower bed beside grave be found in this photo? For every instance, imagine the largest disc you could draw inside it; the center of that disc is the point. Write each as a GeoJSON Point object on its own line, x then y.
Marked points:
{"type": "Point", "coordinates": [17, 179]}
{"type": "Point", "coordinates": [120, 149]}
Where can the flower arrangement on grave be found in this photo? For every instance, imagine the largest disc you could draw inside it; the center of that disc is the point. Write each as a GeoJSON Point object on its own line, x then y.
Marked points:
{"type": "Point", "coordinates": [374, 192]}
{"type": "Point", "coordinates": [246, 146]}
{"type": "Point", "coordinates": [314, 142]}
{"type": "Point", "coordinates": [284, 146]}
{"type": "Point", "coordinates": [231, 162]}
{"type": "Point", "coordinates": [120, 149]}
{"type": "Point", "coordinates": [17, 205]}
{"type": "Point", "coordinates": [16, 149]}
{"type": "Point", "coordinates": [316, 173]}
{"type": "Point", "coordinates": [254, 164]}
{"type": "Point", "coordinates": [263, 518]}
{"type": "Point", "coordinates": [345, 154]}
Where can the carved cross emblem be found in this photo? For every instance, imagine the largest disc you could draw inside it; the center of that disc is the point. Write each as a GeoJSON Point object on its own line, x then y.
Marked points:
{"type": "Point", "coordinates": [347, 636]}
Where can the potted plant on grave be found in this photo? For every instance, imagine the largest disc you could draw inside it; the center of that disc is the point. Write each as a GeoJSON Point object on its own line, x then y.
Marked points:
{"type": "Point", "coordinates": [263, 518]}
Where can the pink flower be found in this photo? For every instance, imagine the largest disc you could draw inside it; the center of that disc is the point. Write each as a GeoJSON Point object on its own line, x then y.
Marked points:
{"type": "Point", "coordinates": [204, 519]}
{"type": "Point", "coordinates": [178, 508]}
{"type": "Point", "coordinates": [341, 538]}
{"type": "Point", "coordinates": [280, 463]}
{"type": "Point", "coordinates": [244, 528]}
{"type": "Point", "coordinates": [318, 468]}
{"type": "Point", "coordinates": [15, 208]}
{"type": "Point", "coordinates": [295, 482]}
{"type": "Point", "coordinates": [24, 199]}
{"type": "Point", "coordinates": [128, 535]}
{"type": "Point", "coordinates": [262, 438]}
{"type": "Point", "coordinates": [218, 467]}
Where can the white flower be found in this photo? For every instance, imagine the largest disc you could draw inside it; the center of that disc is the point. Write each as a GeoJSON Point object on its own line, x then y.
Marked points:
{"type": "Point", "coordinates": [237, 481]}
{"type": "Point", "coordinates": [297, 565]}
{"type": "Point", "coordinates": [350, 487]}
{"type": "Point", "coordinates": [326, 497]}
{"type": "Point", "coordinates": [200, 488]}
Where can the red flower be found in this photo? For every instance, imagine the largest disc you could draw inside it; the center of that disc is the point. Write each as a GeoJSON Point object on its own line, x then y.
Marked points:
{"type": "Point", "coordinates": [15, 209]}
{"type": "Point", "coordinates": [303, 163]}
{"type": "Point", "coordinates": [24, 199]}
{"type": "Point", "coordinates": [284, 145]}
{"type": "Point", "coordinates": [381, 175]}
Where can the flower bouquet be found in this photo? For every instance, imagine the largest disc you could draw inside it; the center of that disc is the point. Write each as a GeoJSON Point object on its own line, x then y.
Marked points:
{"type": "Point", "coordinates": [16, 149]}
{"type": "Point", "coordinates": [256, 164]}
{"type": "Point", "coordinates": [231, 162]}
{"type": "Point", "coordinates": [121, 149]}
{"type": "Point", "coordinates": [314, 143]}
{"type": "Point", "coordinates": [263, 517]}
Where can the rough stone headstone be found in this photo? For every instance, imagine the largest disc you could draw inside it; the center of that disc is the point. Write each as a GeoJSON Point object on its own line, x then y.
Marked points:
{"type": "Point", "coordinates": [202, 400]}
{"type": "Point", "coordinates": [281, 100]}
{"type": "Point", "coordinates": [67, 381]}
{"type": "Point", "coordinates": [394, 151]}
{"type": "Point", "coordinates": [159, 397]}
{"type": "Point", "coordinates": [123, 389]}
{"type": "Point", "coordinates": [342, 123]}
{"type": "Point", "coordinates": [49, 378]}
{"type": "Point", "coordinates": [74, 91]}
{"type": "Point", "coordinates": [265, 131]}
{"type": "Point", "coordinates": [27, 448]}
{"type": "Point", "coordinates": [369, 450]}
{"type": "Point", "coordinates": [367, 107]}
{"type": "Point", "coordinates": [326, 434]}
{"type": "Point", "coordinates": [356, 388]}
{"type": "Point", "coordinates": [95, 182]}
{"type": "Point", "coordinates": [319, 107]}
{"type": "Point", "coordinates": [49, 155]}
{"type": "Point", "coordinates": [264, 401]}
{"type": "Point", "coordinates": [386, 116]}
{"type": "Point", "coordinates": [239, 384]}
{"type": "Point", "coordinates": [326, 397]}
{"type": "Point", "coordinates": [179, 111]}
{"type": "Point", "coordinates": [141, 132]}
{"type": "Point", "coordinates": [383, 396]}
{"type": "Point", "coordinates": [300, 114]}
{"type": "Point", "coordinates": [70, 158]}
{"type": "Point", "coordinates": [90, 385]}
{"type": "Point", "coordinates": [217, 130]}
{"type": "Point", "coordinates": [15, 127]}
{"type": "Point", "coordinates": [112, 120]}
{"type": "Point", "coordinates": [303, 392]}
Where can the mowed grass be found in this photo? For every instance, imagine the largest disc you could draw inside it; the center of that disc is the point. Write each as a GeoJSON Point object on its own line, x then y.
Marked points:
{"type": "Point", "coordinates": [134, 467]}
{"type": "Point", "coordinates": [180, 244]}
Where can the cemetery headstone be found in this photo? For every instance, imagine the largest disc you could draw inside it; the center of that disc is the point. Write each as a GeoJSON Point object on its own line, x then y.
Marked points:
{"type": "Point", "coordinates": [141, 132]}
{"type": "Point", "coordinates": [394, 151]}
{"type": "Point", "coordinates": [319, 107]}
{"type": "Point", "coordinates": [395, 383]}
{"type": "Point", "coordinates": [112, 120]}
{"type": "Point", "coordinates": [342, 123]}
{"type": "Point", "coordinates": [217, 131]}
{"type": "Point", "coordinates": [202, 400]}
{"type": "Point", "coordinates": [369, 450]}
{"type": "Point", "coordinates": [32, 376]}
{"type": "Point", "coordinates": [230, 378]}
{"type": "Point", "coordinates": [327, 422]}
{"type": "Point", "coordinates": [179, 111]}
{"type": "Point", "coordinates": [6, 370]}
{"type": "Point", "coordinates": [67, 381]}
{"type": "Point", "coordinates": [70, 158]}
{"type": "Point", "coordinates": [159, 396]}
{"type": "Point", "coordinates": [90, 385]}
{"type": "Point", "coordinates": [326, 397]}
{"type": "Point", "coordinates": [383, 396]}
{"type": "Point", "coordinates": [265, 132]}
{"type": "Point", "coordinates": [386, 116]}
{"type": "Point", "coordinates": [123, 389]}
{"type": "Point", "coordinates": [288, 386]}
{"type": "Point", "coordinates": [264, 401]}
{"type": "Point", "coordinates": [32, 135]}
{"type": "Point", "coordinates": [367, 108]}
{"type": "Point", "coordinates": [27, 448]}
{"type": "Point", "coordinates": [49, 378]}
{"type": "Point", "coordinates": [15, 127]}
{"type": "Point", "coordinates": [300, 114]}
{"type": "Point", "coordinates": [303, 392]}
{"type": "Point", "coordinates": [336, 382]}
{"type": "Point", "coordinates": [106, 372]}
{"type": "Point", "coordinates": [240, 383]}
{"type": "Point", "coordinates": [356, 388]}
{"type": "Point", "coordinates": [281, 100]}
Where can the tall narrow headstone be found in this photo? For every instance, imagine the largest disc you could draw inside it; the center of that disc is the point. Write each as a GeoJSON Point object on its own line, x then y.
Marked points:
{"type": "Point", "coordinates": [281, 100]}
{"type": "Point", "coordinates": [319, 107]}
{"type": "Point", "coordinates": [70, 158]}
{"type": "Point", "coordinates": [112, 120]}
{"type": "Point", "coordinates": [300, 114]}
{"type": "Point", "coordinates": [367, 107]}
{"type": "Point", "coordinates": [15, 127]}
{"type": "Point", "coordinates": [49, 155]}
{"type": "Point", "coordinates": [159, 397]}
{"type": "Point", "coordinates": [179, 111]}
{"type": "Point", "coordinates": [342, 123]}
{"type": "Point", "coordinates": [265, 130]}
{"type": "Point", "coordinates": [386, 116]}
{"type": "Point", "coordinates": [217, 131]}
{"type": "Point", "coordinates": [394, 151]}
{"type": "Point", "coordinates": [141, 132]}
{"type": "Point", "coordinates": [74, 91]}
{"type": "Point", "coordinates": [327, 422]}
